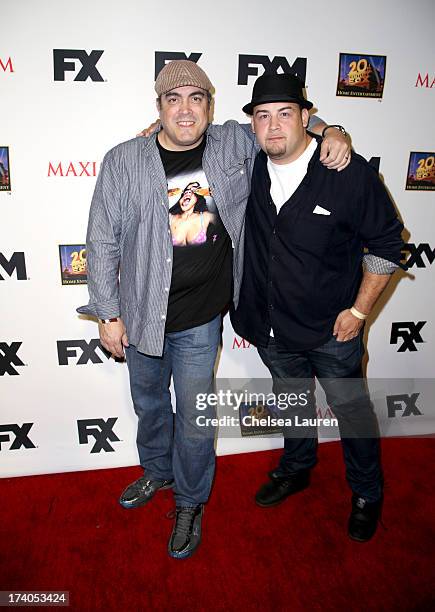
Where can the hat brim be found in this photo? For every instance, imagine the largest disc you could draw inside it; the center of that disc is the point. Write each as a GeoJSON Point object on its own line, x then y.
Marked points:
{"type": "Point", "coordinates": [249, 108]}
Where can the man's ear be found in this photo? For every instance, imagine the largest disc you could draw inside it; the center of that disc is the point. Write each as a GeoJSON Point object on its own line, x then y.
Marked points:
{"type": "Point", "coordinates": [305, 117]}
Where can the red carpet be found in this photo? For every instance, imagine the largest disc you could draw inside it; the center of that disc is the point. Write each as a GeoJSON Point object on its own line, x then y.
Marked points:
{"type": "Point", "coordinates": [67, 532]}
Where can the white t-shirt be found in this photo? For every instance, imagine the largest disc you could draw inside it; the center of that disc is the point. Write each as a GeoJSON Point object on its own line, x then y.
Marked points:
{"type": "Point", "coordinates": [286, 178]}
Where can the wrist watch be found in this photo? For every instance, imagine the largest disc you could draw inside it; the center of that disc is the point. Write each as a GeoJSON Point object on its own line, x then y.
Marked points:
{"type": "Point", "coordinates": [338, 127]}
{"type": "Point", "coordinates": [109, 320]}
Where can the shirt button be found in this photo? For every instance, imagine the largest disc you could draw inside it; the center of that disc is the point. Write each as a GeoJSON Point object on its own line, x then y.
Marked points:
{"type": "Point", "coordinates": [273, 258]}
{"type": "Point", "coordinates": [168, 260]}
{"type": "Point", "coordinates": [163, 317]}
{"type": "Point", "coordinates": [271, 307]}
{"type": "Point", "coordinates": [166, 288]}
{"type": "Point", "coordinates": [242, 172]}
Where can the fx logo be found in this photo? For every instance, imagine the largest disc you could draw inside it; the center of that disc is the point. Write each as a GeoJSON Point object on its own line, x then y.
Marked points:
{"type": "Point", "coordinates": [16, 263]}
{"type": "Point", "coordinates": [99, 429]}
{"type": "Point", "coordinates": [21, 434]}
{"type": "Point", "coordinates": [405, 403]}
{"type": "Point", "coordinates": [410, 334]}
{"type": "Point", "coordinates": [416, 252]}
{"type": "Point", "coordinates": [67, 349]}
{"type": "Point", "coordinates": [88, 62]}
{"type": "Point", "coordinates": [248, 66]}
{"type": "Point", "coordinates": [9, 358]}
{"type": "Point", "coordinates": [163, 57]}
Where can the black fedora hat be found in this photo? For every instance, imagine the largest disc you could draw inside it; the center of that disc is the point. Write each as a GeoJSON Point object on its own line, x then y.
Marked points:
{"type": "Point", "coordinates": [277, 88]}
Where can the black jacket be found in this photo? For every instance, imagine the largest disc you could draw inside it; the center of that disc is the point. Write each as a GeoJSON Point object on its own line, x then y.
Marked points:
{"type": "Point", "coordinates": [301, 269]}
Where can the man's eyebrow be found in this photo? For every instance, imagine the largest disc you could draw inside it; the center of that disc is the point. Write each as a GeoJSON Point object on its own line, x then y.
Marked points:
{"type": "Point", "coordinates": [197, 93]}
{"type": "Point", "coordinates": [176, 94]}
{"type": "Point", "coordinates": [265, 110]}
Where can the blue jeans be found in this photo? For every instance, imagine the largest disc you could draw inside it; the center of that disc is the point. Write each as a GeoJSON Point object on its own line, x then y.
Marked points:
{"type": "Point", "coordinates": [337, 366]}
{"type": "Point", "coordinates": [172, 445]}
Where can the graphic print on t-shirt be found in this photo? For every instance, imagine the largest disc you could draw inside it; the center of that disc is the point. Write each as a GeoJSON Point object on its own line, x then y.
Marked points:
{"type": "Point", "coordinates": [202, 254]}
{"type": "Point", "coordinates": [192, 210]}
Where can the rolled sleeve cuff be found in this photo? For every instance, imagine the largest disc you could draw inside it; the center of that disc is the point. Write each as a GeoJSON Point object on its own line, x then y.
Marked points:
{"type": "Point", "coordinates": [102, 310]}
{"type": "Point", "coordinates": [378, 265]}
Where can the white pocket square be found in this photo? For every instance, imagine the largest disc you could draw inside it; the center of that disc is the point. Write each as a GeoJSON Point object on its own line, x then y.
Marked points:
{"type": "Point", "coordinates": [321, 211]}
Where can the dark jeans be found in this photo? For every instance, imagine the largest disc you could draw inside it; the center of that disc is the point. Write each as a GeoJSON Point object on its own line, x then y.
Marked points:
{"type": "Point", "coordinates": [337, 366]}
{"type": "Point", "coordinates": [173, 446]}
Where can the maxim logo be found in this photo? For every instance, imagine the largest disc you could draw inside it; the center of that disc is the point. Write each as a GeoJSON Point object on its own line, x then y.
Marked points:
{"type": "Point", "coordinates": [416, 252]}
{"type": "Point", "coordinates": [425, 81]}
{"type": "Point", "coordinates": [409, 332]}
{"type": "Point", "coordinates": [9, 358]}
{"type": "Point", "coordinates": [163, 57]}
{"type": "Point", "coordinates": [99, 429]}
{"type": "Point", "coordinates": [249, 65]}
{"type": "Point", "coordinates": [406, 404]}
{"type": "Point", "coordinates": [16, 263]}
{"type": "Point", "coordinates": [87, 351]}
{"type": "Point", "coordinates": [240, 344]}
{"type": "Point", "coordinates": [88, 62]}
{"type": "Point", "coordinates": [77, 169]}
{"type": "Point", "coordinates": [20, 434]}
{"type": "Point", "coordinates": [6, 65]}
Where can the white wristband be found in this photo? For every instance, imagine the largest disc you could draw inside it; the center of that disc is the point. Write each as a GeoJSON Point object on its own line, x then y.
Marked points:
{"type": "Point", "coordinates": [359, 315]}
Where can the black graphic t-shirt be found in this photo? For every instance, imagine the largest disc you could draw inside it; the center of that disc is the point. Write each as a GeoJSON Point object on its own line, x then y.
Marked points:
{"type": "Point", "coordinates": [202, 253]}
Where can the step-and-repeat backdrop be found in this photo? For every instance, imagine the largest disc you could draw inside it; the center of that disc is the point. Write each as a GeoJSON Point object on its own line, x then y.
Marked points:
{"type": "Point", "coordinates": [76, 78]}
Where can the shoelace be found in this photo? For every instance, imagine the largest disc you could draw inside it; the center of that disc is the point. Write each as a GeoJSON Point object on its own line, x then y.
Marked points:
{"type": "Point", "coordinates": [144, 483]}
{"type": "Point", "coordinates": [185, 518]}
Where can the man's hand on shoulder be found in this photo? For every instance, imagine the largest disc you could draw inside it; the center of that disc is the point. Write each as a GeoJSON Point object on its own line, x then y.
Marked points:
{"type": "Point", "coordinates": [346, 326]}
{"type": "Point", "coordinates": [148, 131]}
{"type": "Point", "coordinates": [335, 151]}
{"type": "Point", "coordinates": [113, 337]}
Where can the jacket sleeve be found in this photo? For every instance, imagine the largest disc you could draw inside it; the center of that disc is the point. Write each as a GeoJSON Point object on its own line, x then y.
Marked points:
{"type": "Point", "coordinates": [375, 218]}
{"type": "Point", "coordinates": [102, 243]}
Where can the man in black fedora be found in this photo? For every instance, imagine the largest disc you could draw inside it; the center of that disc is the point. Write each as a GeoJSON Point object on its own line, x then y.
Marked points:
{"type": "Point", "coordinates": [308, 287]}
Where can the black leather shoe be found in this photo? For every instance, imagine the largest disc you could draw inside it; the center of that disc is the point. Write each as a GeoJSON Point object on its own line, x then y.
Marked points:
{"type": "Point", "coordinates": [363, 519]}
{"type": "Point", "coordinates": [186, 534]}
{"type": "Point", "coordinates": [280, 487]}
{"type": "Point", "coordinates": [141, 491]}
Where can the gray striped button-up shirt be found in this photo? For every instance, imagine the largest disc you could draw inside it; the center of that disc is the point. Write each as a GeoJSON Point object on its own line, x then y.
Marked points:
{"type": "Point", "coordinates": [129, 247]}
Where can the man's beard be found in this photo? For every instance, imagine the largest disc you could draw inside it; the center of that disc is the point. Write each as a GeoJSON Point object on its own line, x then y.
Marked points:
{"type": "Point", "coordinates": [275, 150]}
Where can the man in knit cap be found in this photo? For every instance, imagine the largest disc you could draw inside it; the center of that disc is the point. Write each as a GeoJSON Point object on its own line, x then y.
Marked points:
{"type": "Point", "coordinates": [165, 252]}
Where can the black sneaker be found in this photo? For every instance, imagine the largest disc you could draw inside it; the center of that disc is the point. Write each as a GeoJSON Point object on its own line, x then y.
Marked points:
{"type": "Point", "coordinates": [186, 534]}
{"type": "Point", "coordinates": [280, 487]}
{"type": "Point", "coordinates": [363, 519]}
{"type": "Point", "coordinates": [141, 491]}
